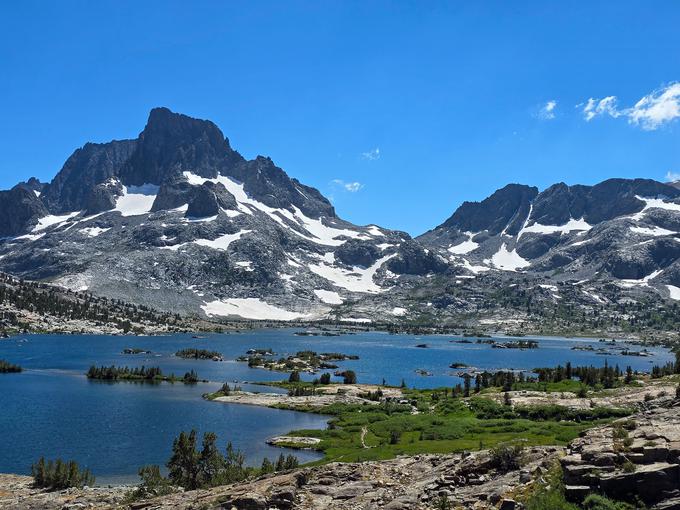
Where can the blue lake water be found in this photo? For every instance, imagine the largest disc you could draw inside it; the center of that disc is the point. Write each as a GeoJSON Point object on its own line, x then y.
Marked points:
{"type": "Point", "coordinates": [51, 409]}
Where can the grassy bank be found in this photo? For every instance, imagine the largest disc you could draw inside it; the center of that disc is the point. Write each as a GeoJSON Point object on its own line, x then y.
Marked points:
{"type": "Point", "coordinates": [433, 422]}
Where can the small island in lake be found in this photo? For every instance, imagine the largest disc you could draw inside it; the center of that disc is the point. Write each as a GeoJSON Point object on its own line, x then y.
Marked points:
{"type": "Point", "coordinates": [199, 354]}
{"type": "Point", "coordinates": [519, 344]}
{"type": "Point", "coordinates": [8, 368]}
{"type": "Point", "coordinates": [458, 365]}
{"type": "Point", "coordinates": [141, 374]}
{"type": "Point", "coordinates": [302, 361]}
{"type": "Point", "coordinates": [135, 351]}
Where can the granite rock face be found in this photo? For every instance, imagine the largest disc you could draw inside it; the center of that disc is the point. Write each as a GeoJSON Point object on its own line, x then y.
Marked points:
{"type": "Point", "coordinates": [633, 458]}
{"type": "Point", "coordinates": [20, 209]}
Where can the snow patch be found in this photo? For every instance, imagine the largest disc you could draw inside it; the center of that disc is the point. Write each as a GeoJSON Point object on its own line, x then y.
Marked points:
{"type": "Point", "coordinates": [569, 226]}
{"type": "Point", "coordinates": [317, 232]}
{"type": "Point", "coordinates": [249, 308]}
{"type": "Point", "coordinates": [656, 231]}
{"type": "Point", "coordinates": [674, 291]}
{"type": "Point", "coordinates": [654, 203]}
{"type": "Point", "coordinates": [94, 231]}
{"type": "Point", "coordinates": [328, 296]}
{"type": "Point", "coordinates": [397, 311]}
{"type": "Point", "coordinates": [357, 279]}
{"type": "Point", "coordinates": [221, 243]}
{"type": "Point", "coordinates": [643, 282]}
{"type": "Point", "coordinates": [51, 220]}
{"type": "Point", "coordinates": [466, 246]}
{"type": "Point", "coordinates": [594, 296]}
{"type": "Point", "coordinates": [136, 200]}
{"type": "Point", "coordinates": [507, 260]}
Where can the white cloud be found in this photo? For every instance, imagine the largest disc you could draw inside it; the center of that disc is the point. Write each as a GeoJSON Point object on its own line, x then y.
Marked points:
{"type": "Point", "coordinates": [371, 155]}
{"type": "Point", "coordinates": [352, 187]}
{"type": "Point", "coordinates": [672, 176]}
{"type": "Point", "coordinates": [657, 108]}
{"type": "Point", "coordinates": [597, 107]}
{"type": "Point", "coordinates": [547, 111]}
{"type": "Point", "coordinates": [650, 113]}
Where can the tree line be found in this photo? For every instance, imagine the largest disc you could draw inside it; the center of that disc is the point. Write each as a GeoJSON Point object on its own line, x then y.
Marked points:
{"type": "Point", "coordinates": [149, 374]}
{"type": "Point", "coordinates": [50, 300]}
{"type": "Point", "coordinates": [58, 475]}
{"type": "Point", "coordinates": [6, 367]}
{"type": "Point", "coordinates": [193, 466]}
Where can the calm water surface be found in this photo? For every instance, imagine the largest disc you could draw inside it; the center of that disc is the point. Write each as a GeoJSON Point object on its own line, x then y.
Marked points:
{"type": "Point", "coordinates": [51, 409]}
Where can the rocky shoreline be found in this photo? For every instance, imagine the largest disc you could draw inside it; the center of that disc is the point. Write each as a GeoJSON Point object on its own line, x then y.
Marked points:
{"type": "Point", "coordinates": [599, 461]}
{"type": "Point", "coordinates": [325, 396]}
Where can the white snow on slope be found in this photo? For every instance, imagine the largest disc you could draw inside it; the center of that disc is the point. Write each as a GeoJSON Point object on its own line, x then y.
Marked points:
{"type": "Point", "coordinates": [357, 279]}
{"type": "Point", "coordinates": [594, 296]}
{"type": "Point", "coordinates": [398, 311]}
{"type": "Point", "coordinates": [249, 308]}
{"type": "Point", "coordinates": [656, 231]}
{"type": "Point", "coordinates": [48, 221]}
{"type": "Point", "coordinates": [374, 230]}
{"type": "Point", "coordinates": [247, 265]}
{"type": "Point", "coordinates": [94, 231]}
{"type": "Point", "coordinates": [654, 203]}
{"type": "Point", "coordinates": [329, 296]}
{"type": "Point", "coordinates": [569, 226]}
{"type": "Point", "coordinates": [643, 282]}
{"type": "Point", "coordinates": [31, 237]}
{"type": "Point", "coordinates": [674, 291]}
{"type": "Point", "coordinates": [507, 260]}
{"type": "Point", "coordinates": [465, 247]}
{"type": "Point", "coordinates": [318, 232]}
{"type": "Point", "coordinates": [136, 200]}
{"type": "Point", "coordinates": [221, 243]}
{"type": "Point", "coordinates": [466, 264]}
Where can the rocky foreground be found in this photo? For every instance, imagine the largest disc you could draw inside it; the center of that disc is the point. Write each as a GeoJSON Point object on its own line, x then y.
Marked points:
{"type": "Point", "coordinates": [633, 459]}
{"type": "Point", "coordinates": [404, 483]}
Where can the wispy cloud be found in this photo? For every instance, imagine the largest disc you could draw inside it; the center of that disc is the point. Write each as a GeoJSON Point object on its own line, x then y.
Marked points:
{"type": "Point", "coordinates": [650, 113]}
{"type": "Point", "coordinates": [596, 107]}
{"type": "Point", "coordinates": [547, 111]}
{"type": "Point", "coordinates": [352, 187]}
{"type": "Point", "coordinates": [371, 155]}
{"type": "Point", "coordinates": [672, 176]}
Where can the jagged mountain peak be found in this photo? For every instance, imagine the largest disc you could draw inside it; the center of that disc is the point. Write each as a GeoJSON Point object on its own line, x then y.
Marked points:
{"type": "Point", "coordinates": [505, 208]}
{"type": "Point", "coordinates": [177, 219]}
{"type": "Point", "coordinates": [172, 143]}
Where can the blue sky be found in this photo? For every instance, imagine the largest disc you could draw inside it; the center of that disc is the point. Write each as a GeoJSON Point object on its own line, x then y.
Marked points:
{"type": "Point", "coordinates": [399, 111]}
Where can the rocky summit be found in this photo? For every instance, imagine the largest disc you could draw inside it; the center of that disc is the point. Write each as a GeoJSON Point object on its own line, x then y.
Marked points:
{"type": "Point", "coordinates": [179, 220]}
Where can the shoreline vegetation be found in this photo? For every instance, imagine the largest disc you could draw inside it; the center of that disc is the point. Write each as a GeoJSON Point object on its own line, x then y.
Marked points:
{"type": "Point", "coordinates": [139, 374]}
{"type": "Point", "coordinates": [203, 354]}
{"type": "Point", "coordinates": [302, 361]}
{"type": "Point", "coordinates": [9, 368]}
{"type": "Point", "coordinates": [550, 406]}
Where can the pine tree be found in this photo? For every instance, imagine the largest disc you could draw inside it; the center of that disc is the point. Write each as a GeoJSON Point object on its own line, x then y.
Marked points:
{"type": "Point", "coordinates": [210, 461]}
{"type": "Point", "coordinates": [183, 464]}
{"type": "Point", "coordinates": [267, 466]}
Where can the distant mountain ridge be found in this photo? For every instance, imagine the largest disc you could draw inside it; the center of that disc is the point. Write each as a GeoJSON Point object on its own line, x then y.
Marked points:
{"type": "Point", "coordinates": [179, 220]}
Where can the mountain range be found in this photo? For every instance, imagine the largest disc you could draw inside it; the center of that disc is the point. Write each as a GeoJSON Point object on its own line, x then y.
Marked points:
{"type": "Point", "coordinates": [178, 220]}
